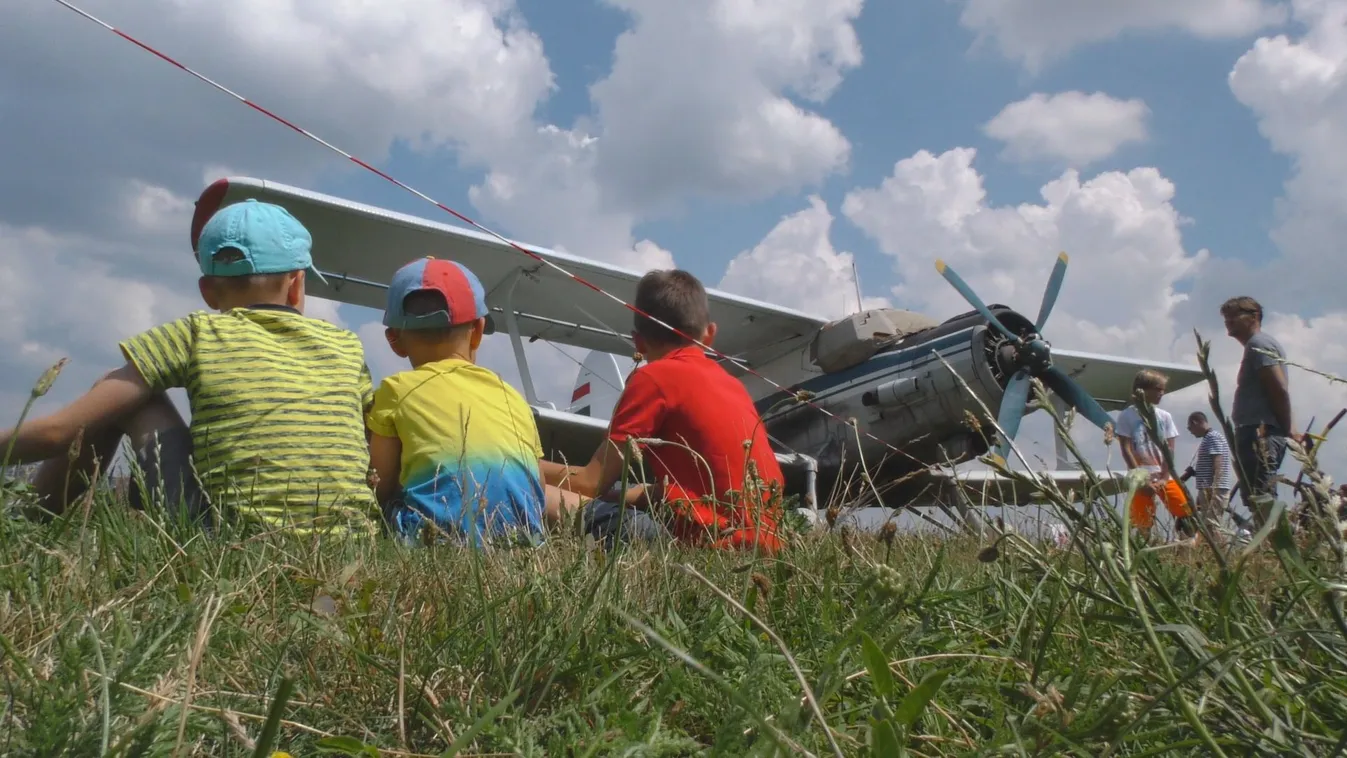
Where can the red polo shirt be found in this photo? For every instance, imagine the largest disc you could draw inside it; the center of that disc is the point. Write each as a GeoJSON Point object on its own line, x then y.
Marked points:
{"type": "Point", "coordinates": [689, 399]}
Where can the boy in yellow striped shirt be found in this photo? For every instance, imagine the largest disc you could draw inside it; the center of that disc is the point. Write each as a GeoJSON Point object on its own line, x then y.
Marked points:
{"type": "Point", "coordinates": [277, 398]}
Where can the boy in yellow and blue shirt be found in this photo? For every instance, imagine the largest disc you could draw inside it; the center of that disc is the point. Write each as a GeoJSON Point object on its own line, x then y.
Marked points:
{"type": "Point", "coordinates": [455, 449]}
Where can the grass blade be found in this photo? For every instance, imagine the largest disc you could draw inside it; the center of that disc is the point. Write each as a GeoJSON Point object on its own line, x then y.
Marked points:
{"type": "Point", "coordinates": [910, 709]}
{"type": "Point", "coordinates": [272, 728]}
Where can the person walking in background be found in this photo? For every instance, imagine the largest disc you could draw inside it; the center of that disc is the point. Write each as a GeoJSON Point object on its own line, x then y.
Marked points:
{"type": "Point", "coordinates": [1211, 468]}
{"type": "Point", "coordinates": [1140, 452]}
{"type": "Point", "coordinates": [1261, 413]}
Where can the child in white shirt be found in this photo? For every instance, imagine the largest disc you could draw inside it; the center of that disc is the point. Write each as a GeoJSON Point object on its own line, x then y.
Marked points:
{"type": "Point", "coordinates": [1139, 451]}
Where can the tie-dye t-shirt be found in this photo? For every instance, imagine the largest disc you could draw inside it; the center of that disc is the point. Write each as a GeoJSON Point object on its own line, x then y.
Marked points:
{"type": "Point", "coordinates": [470, 450]}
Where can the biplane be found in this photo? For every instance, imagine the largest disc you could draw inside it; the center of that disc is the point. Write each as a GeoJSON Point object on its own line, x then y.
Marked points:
{"type": "Point", "coordinates": [910, 382]}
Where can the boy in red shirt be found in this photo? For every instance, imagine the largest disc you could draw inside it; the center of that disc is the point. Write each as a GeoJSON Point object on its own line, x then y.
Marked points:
{"type": "Point", "coordinates": [713, 433]}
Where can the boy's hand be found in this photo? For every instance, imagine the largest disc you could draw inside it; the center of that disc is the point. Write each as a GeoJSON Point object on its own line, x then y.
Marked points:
{"type": "Point", "coordinates": [641, 496]}
{"type": "Point", "coordinates": [385, 458]}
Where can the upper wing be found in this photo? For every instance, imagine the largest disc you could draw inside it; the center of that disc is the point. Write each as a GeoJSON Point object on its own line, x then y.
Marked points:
{"type": "Point", "coordinates": [1108, 378]}
{"type": "Point", "coordinates": [359, 247]}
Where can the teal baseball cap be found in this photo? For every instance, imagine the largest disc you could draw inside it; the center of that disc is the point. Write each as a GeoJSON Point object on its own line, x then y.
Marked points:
{"type": "Point", "coordinates": [271, 240]}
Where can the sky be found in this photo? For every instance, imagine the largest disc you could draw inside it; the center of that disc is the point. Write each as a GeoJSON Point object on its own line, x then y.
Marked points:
{"type": "Point", "coordinates": [1180, 153]}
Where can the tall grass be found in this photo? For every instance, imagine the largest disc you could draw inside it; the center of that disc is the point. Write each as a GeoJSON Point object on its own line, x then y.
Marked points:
{"type": "Point", "coordinates": [125, 634]}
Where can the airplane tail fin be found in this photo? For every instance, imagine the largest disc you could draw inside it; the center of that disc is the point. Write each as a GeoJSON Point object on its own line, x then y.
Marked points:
{"type": "Point", "coordinates": [598, 385]}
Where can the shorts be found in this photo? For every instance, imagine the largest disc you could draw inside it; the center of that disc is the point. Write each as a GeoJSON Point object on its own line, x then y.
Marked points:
{"type": "Point", "coordinates": [1259, 459]}
{"type": "Point", "coordinates": [411, 526]}
{"type": "Point", "coordinates": [605, 522]}
{"type": "Point", "coordinates": [1211, 504]}
{"type": "Point", "coordinates": [167, 472]}
{"type": "Point", "coordinates": [1143, 505]}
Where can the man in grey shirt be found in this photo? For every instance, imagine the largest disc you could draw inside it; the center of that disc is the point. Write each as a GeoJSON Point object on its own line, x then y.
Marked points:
{"type": "Point", "coordinates": [1261, 414]}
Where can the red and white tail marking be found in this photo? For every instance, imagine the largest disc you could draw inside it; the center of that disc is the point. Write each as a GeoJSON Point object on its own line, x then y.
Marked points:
{"type": "Point", "coordinates": [598, 385]}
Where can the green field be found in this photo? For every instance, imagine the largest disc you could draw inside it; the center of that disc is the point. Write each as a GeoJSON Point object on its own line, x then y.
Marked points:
{"type": "Point", "coordinates": [126, 635]}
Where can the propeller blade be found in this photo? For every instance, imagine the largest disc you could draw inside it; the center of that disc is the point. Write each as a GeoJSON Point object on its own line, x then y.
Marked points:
{"type": "Point", "coordinates": [968, 294]}
{"type": "Point", "coordinates": [1012, 409]}
{"type": "Point", "coordinates": [1050, 294]}
{"type": "Point", "coordinates": [1067, 389]}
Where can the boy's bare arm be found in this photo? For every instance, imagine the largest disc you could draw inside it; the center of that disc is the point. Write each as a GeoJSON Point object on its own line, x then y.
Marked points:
{"type": "Point", "coordinates": [110, 401]}
{"type": "Point", "coordinates": [385, 457]}
{"type": "Point", "coordinates": [591, 480]}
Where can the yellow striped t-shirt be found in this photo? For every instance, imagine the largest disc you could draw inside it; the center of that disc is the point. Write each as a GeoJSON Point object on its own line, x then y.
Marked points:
{"type": "Point", "coordinates": [277, 402]}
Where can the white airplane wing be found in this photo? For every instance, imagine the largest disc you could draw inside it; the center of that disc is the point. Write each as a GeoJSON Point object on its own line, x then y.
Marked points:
{"type": "Point", "coordinates": [358, 247]}
{"type": "Point", "coordinates": [991, 488]}
{"type": "Point", "coordinates": [569, 437]}
{"type": "Point", "coordinates": [1108, 378]}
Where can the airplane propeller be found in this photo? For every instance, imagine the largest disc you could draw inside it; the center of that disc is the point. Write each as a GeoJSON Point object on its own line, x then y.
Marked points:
{"type": "Point", "coordinates": [1033, 358]}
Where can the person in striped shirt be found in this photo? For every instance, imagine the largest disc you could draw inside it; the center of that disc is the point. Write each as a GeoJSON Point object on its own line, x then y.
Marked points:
{"type": "Point", "coordinates": [277, 398]}
{"type": "Point", "coordinates": [1211, 469]}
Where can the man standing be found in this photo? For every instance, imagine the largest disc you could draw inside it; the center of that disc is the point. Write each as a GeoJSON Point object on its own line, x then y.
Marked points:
{"type": "Point", "coordinates": [1211, 469]}
{"type": "Point", "coordinates": [1262, 408]}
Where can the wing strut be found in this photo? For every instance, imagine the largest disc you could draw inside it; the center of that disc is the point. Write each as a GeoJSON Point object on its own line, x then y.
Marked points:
{"type": "Point", "coordinates": [512, 323]}
{"type": "Point", "coordinates": [1068, 415]}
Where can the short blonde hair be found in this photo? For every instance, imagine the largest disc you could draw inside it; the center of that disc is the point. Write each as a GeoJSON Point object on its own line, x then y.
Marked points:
{"type": "Point", "coordinates": [1147, 379]}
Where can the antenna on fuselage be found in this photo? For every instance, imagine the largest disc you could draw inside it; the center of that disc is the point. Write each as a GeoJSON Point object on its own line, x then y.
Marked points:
{"type": "Point", "coordinates": [856, 279]}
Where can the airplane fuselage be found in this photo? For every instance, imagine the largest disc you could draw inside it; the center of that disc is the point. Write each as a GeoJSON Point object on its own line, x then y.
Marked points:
{"type": "Point", "coordinates": [927, 395]}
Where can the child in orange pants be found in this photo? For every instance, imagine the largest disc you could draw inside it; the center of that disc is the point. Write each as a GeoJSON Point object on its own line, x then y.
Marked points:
{"type": "Point", "coordinates": [1140, 452]}
{"type": "Point", "coordinates": [1170, 493]}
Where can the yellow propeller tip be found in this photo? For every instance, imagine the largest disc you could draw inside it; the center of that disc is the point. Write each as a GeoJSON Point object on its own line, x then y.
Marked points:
{"type": "Point", "coordinates": [939, 265]}
{"type": "Point", "coordinates": [1062, 257]}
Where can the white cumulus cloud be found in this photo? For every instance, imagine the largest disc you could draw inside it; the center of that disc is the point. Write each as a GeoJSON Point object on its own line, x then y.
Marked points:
{"type": "Point", "coordinates": [463, 73]}
{"type": "Point", "coordinates": [1036, 32]}
{"type": "Point", "coordinates": [1070, 127]}
{"type": "Point", "coordinates": [795, 265]}
{"type": "Point", "coordinates": [1297, 89]}
{"type": "Point", "coordinates": [713, 77]}
{"type": "Point", "coordinates": [697, 104]}
{"type": "Point", "coordinates": [1120, 230]}
{"type": "Point", "coordinates": [57, 301]}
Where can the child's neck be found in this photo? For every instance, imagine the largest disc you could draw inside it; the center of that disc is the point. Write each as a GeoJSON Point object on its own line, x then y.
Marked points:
{"type": "Point", "coordinates": [245, 300]}
{"type": "Point", "coordinates": [655, 353]}
{"type": "Point", "coordinates": [423, 354]}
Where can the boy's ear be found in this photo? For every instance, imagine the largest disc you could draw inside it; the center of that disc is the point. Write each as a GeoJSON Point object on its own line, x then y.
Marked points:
{"type": "Point", "coordinates": [294, 292]}
{"type": "Point", "coordinates": [208, 293]}
{"type": "Point", "coordinates": [639, 341]}
{"type": "Point", "coordinates": [709, 335]}
{"type": "Point", "coordinates": [478, 330]}
{"type": "Point", "coordinates": [395, 342]}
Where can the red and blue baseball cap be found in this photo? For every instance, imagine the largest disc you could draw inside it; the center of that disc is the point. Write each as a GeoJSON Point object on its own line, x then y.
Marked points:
{"type": "Point", "coordinates": [461, 289]}
{"type": "Point", "coordinates": [271, 239]}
